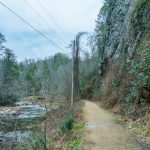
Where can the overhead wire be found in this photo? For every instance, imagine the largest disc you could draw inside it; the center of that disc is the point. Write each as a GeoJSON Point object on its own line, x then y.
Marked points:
{"type": "Point", "coordinates": [41, 18]}
{"type": "Point", "coordinates": [51, 17]}
{"type": "Point", "coordinates": [31, 26]}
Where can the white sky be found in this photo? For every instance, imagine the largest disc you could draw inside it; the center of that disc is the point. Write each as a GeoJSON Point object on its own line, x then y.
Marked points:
{"type": "Point", "coordinates": [72, 15]}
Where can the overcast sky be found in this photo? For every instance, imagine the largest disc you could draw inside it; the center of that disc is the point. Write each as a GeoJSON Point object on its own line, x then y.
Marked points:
{"type": "Point", "coordinates": [71, 15]}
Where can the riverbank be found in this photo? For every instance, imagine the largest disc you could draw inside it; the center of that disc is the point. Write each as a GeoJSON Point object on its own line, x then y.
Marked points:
{"type": "Point", "coordinates": [19, 121]}
{"type": "Point", "coordinates": [46, 132]}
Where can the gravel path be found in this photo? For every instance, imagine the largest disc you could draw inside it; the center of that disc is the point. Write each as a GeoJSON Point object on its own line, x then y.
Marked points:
{"type": "Point", "coordinates": [102, 133]}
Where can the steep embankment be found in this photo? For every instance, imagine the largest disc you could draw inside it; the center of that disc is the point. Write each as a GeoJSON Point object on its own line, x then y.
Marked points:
{"type": "Point", "coordinates": [123, 42]}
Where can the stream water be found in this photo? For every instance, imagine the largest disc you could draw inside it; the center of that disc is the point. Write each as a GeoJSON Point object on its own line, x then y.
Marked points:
{"type": "Point", "coordinates": [28, 112]}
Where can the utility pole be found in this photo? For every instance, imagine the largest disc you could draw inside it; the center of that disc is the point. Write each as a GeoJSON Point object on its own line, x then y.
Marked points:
{"type": "Point", "coordinates": [73, 72]}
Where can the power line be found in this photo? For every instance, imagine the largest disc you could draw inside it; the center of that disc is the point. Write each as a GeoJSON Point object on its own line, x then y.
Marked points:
{"type": "Point", "coordinates": [32, 27]}
{"type": "Point", "coordinates": [43, 20]}
{"type": "Point", "coordinates": [42, 6]}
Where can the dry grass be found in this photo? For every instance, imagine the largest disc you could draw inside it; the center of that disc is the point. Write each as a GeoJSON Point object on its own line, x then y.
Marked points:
{"type": "Point", "coordinates": [72, 139]}
{"type": "Point", "coordinates": [56, 140]}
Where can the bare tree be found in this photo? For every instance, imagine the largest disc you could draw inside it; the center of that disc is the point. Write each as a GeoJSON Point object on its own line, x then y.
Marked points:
{"type": "Point", "coordinates": [76, 65]}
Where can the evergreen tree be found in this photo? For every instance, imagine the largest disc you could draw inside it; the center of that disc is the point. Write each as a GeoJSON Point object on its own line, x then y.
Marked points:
{"type": "Point", "coordinates": [9, 74]}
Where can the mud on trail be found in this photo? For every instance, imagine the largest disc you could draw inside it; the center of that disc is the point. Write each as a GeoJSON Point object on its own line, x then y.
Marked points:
{"type": "Point", "coordinates": [102, 133]}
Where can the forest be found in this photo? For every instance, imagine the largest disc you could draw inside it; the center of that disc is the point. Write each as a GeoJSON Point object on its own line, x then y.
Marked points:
{"type": "Point", "coordinates": [31, 77]}
{"type": "Point", "coordinates": [46, 79]}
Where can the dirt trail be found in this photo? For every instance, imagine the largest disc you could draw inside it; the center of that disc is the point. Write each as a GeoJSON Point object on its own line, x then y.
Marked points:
{"type": "Point", "coordinates": [102, 133]}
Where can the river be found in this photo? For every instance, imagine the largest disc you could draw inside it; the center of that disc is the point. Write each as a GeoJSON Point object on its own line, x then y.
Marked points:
{"type": "Point", "coordinates": [17, 122]}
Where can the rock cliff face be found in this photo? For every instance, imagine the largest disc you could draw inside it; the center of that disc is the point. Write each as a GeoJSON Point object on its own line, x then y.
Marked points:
{"type": "Point", "coordinates": [123, 43]}
{"type": "Point", "coordinates": [121, 27]}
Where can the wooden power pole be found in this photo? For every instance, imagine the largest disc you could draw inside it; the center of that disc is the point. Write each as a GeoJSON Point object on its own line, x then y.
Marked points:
{"type": "Point", "coordinates": [73, 72]}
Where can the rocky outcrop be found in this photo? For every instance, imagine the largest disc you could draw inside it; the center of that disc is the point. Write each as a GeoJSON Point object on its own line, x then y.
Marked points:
{"type": "Point", "coordinates": [121, 27]}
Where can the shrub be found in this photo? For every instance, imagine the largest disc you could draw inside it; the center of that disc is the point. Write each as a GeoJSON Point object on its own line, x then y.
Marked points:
{"type": "Point", "coordinates": [140, 68]}
{"type": "Point", "coordinates": [7, 99]}
{"type": "Point", "coordinates": [115, 82]}
{"type": "Point", "coordinates": [74, 145]}
{"type": "Point", "coordinates": [67, 124]}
